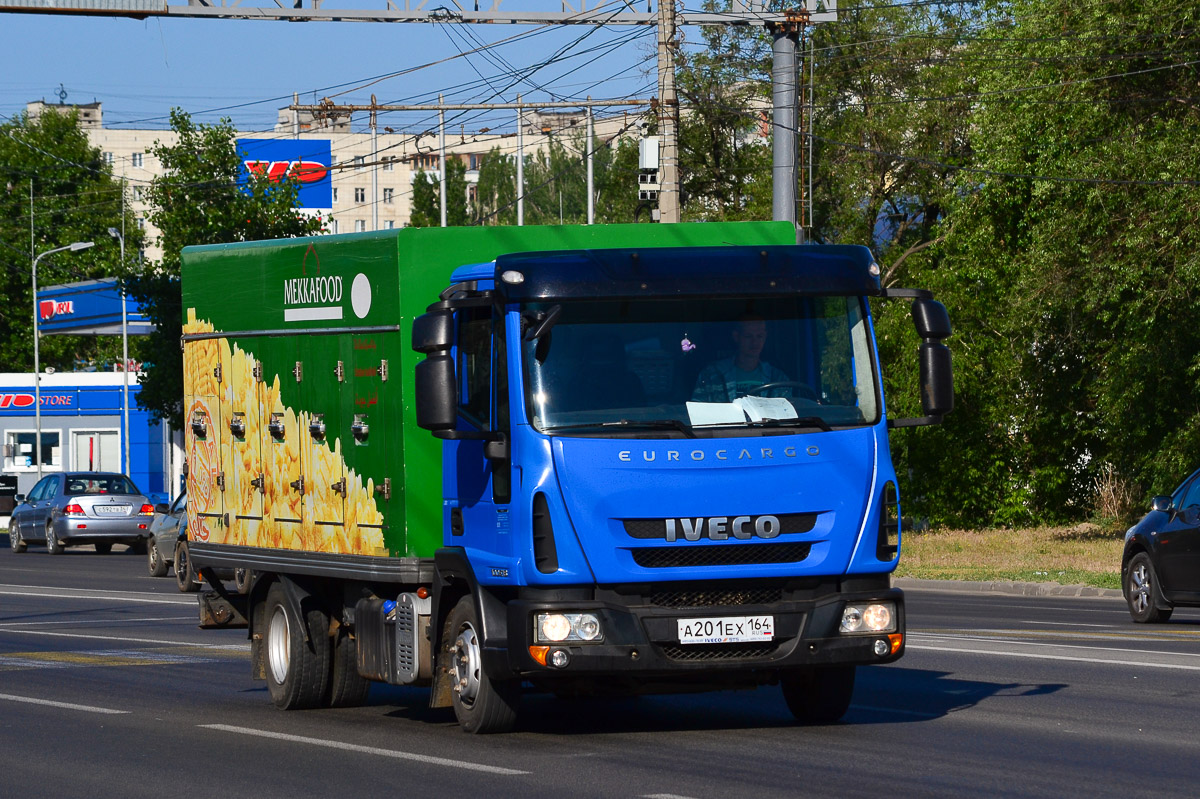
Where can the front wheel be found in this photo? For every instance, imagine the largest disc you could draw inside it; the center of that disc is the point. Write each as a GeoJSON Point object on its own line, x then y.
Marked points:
{"type": "Point", "coordinates": [818, 695]}
{"type": "Point", "coordinates": [1141, 588]}
{"type": "Point", "coordinates": [155, 562]}
{"type": "Point", "coordinates": [14, 538]}
{"type": "Point", "coordinates": [481, 705]}
{"type": "Point", "coordinates": [53, 545]}
{"type": "Point", "coordinates": [297, 653]}
{"type": "Point", "coordinates": [185, 573]}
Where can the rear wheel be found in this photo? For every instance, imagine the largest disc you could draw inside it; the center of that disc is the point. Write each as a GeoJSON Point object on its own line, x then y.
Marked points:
{"type": "Point", "coordinates": [155, 562]}
{"type": "Point", "coordinates": [297, 653]}
{"type": "Point", "coordinates": [481, 705]}
{"type": "Point", "coordinates": [818, 695]}
{"type": "Point", "coordinates": [103, 547]}
{"type": "Point", "coordinates": [185, 574]}
{"type": "Point", "coordinates": [14, 538]}
{"type": "Point", "coordinates": [243, 580]}
{"type": "Point", "coordinates": [53, 545]}
{"type": "Point", "coordinates": [347, 688]}
{"type": "Point", "coordinates": [1141, 590]}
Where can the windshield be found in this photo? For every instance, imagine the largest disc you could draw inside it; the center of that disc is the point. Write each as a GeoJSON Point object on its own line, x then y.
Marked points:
{"type": "Point", "coordinates": [700, 365]}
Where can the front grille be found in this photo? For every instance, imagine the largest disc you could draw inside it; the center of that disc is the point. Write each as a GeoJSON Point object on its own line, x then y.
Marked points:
{"type": "Point", "coordinates": [789, 524]}
{"type": "Point", "coordinates": [719, 598]}
{"type": "Point", "coordinates": [678, 557]}
{"type": "Point", "coordinates": [702, 653]}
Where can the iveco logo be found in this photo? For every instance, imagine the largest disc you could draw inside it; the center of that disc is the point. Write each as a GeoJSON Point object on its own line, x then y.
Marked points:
{"type": "Point", "coordinates": [719, 528]}
{"type": "Point", "coordinates": [698, 455]}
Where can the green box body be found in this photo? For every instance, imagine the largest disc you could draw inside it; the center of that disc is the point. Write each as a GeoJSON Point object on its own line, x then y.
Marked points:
{"type": "Point", "coordinates": [300, 427]}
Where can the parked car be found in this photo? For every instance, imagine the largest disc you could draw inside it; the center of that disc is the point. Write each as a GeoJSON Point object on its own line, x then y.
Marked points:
{"type": "Point", "coordinates": [169, 548]}
{"type": "Point", "coordinates": [71, 508]}
{"type": "Point", "coordinates": [1160, 566]}
{"type": "Point", "coordinates": [164, 533]}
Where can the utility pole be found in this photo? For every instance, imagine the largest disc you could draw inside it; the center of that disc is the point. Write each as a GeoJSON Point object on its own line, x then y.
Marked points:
{"type": "Point", "coordinates": [374, 168]}
{"type": "Point", "coordinates": [784, 128]}
{"type": "Point", "coordinates": [668, 114]}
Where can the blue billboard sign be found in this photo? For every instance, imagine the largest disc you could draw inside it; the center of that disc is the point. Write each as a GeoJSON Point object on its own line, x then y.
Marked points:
{"type": "Point", "coordinates": [89, 308]}
{"type": "Point", "coordinates": [309, 160]}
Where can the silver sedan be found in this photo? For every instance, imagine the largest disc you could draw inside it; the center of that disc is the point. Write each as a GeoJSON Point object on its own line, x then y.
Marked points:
{"type": "Point", "coordinates": [70, 508]}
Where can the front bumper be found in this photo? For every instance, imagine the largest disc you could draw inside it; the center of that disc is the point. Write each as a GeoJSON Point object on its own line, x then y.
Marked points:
{"type": "Point", "coordinates": [641, 639]}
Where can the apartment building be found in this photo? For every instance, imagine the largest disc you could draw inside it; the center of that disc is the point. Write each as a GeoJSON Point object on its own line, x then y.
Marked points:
{"type": "Point", "coordinates": [370, 176]}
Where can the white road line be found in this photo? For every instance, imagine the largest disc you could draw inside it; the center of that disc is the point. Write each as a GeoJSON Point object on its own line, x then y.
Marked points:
{"type": "Point", "coordinates": [64, 705]}
{"type": "Point", "coordinates": [232, 647]}
{"type": "Point", "coordinates": [1064, 623]}
{"type": "Point", "coordinates": [146, 599]}
{"type": "Point", "coordinates": [367, 750]}
{"type": "Point", "coordinates": [4, 625]}
{"type": "Point", "coordinates": [1072, 658]}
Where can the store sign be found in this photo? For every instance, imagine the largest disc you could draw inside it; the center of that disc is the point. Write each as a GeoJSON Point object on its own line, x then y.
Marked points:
{"type": "Point", "coordinates": [14, 401]}
{"type": "Point", "coordinates": [308, 161]}
{"type": "Point", "coordinates": [48, 309]}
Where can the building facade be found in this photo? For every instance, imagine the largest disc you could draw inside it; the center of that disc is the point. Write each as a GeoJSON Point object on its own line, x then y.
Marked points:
{"type": "Point", "coordinates": [371, 175]}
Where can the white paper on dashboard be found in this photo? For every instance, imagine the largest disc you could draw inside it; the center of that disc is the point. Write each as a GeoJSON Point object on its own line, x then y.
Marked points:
{"type": "Point", "coordinates": [702, 413]}
{"type": "Point", "coordinates": [761, 408]}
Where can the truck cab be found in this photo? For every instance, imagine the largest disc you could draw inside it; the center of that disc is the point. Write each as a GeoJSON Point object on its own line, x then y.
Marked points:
{"type": "Point", "coordinates": [667, 469]}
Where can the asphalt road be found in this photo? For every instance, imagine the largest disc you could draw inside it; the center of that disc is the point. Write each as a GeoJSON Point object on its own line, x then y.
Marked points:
{"type": "Point", "coordinates": [108, 688]}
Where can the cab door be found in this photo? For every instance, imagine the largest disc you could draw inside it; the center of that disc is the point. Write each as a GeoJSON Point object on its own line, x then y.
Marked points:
{"type": "Point", "coordinates": [477, 491]}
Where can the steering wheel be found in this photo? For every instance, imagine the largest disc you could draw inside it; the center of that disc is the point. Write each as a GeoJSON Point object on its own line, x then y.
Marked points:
{"type": "Point", "coordinates": [804, 390]}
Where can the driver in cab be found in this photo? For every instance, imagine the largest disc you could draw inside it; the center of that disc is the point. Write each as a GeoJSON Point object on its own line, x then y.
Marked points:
{"type": "Point", "coordinates": [727, 379]}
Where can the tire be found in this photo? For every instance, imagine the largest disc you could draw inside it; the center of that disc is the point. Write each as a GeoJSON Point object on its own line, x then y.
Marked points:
{"type": "Point", "coordinates": [103, 547]}
{"type": "Point", "coordinates": [185, 576]}
{"type": "Point", "coordinates": [1141, 591]}
{"type": "Point", "coordinates": [818, 695]}
{"type": "Point", "coordinates": [15, 540]}
{"type": "Point", "coordinates": [140, 546]}
{"type": "Point", "coordinates": [347, 688]}
{"type": "Point", "coordinates": [155, 562]}
{"type": "Point", "coordinates": [243, 580]}
{"type": "Point", "coordinates": [296, 653]}
{"type": "Point", "coordinates": [53, 545]}
{"type": "Point", "coordinates": [481, 705]}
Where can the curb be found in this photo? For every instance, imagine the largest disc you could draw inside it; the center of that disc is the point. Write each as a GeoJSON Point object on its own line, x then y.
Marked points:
{"type": "Point", "coordinates": [1006, 588]}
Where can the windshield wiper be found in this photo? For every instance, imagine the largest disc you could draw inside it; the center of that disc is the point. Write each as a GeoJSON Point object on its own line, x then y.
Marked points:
{"type": "Point", "coordinates": [803, 421]}
{"type": "Point", "coordinates": [649, 424]}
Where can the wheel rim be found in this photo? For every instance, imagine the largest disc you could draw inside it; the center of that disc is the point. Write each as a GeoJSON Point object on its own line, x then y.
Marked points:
{"type": "Point", "coordinates": [1139, 594]}
{"type": "Point", "coordinates": [279, 639]}
{"type": "Point", "coordinates": [466, 665]}
{"type": "Point", "coordinates": [14, 538]}
{"type": "Point", "coordinates": [51, 538]}
{"type": "Point", "coordinates": [154, 556]}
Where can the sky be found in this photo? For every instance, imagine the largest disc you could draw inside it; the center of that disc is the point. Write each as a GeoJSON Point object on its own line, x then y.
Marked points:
{"type": "Point", "coordinates": [246, 70]}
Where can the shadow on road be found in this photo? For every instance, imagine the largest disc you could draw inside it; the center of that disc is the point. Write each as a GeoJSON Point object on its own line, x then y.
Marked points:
{"type": "Point", "coordinates": [882, 695]}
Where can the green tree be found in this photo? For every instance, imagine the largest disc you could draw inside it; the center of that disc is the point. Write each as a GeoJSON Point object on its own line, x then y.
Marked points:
{"type": "Point", "coordinates": [200, 198]}
{"type": "Point", "coordinates": [427, 197]}
{"type": "Point", "coordinates": [75, 198]}
{"type": "Point", "coordinates": [496, 192]}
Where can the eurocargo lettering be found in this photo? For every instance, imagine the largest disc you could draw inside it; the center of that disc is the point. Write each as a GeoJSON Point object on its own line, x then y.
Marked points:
{"type": "Point", "coordinates": [618, 459]}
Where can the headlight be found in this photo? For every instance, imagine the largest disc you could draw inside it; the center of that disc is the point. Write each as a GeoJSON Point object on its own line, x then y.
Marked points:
{"type": "Point", "coordinates": [879, 617]}
{"type": "Point", "coordinates": [558, 627]}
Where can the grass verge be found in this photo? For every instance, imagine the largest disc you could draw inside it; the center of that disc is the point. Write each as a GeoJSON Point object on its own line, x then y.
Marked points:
{"type": "Point", "coordinates": [1085, 554]}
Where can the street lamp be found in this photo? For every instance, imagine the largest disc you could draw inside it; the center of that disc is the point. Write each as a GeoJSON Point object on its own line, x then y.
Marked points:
{"type": "Point", "coordinates": [116, 234]}
{"type": "Point", "coordinates": [75, 246]}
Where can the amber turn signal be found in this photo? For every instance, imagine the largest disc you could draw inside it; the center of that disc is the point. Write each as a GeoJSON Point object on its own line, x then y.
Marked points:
{"type": "Point", "coordinates": [539, 653]}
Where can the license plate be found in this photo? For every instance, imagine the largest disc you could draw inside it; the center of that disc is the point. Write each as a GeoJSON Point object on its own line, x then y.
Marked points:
{"type": "Point", "coordinates": [103, 509]}
{"type": "Point", "coordinates": [726, 630]}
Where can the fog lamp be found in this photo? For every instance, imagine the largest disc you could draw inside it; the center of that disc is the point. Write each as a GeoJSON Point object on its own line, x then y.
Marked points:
{"type": "Point", "coordinates": [559, 658]}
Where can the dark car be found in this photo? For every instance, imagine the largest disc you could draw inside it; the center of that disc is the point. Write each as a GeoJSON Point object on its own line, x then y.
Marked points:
{"type": "Point", "coordinates": [1160, 568]}
{"type": "Point", "coordinates": [98, 508]}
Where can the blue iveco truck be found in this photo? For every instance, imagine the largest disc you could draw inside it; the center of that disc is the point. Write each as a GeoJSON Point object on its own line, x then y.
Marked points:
{"type": "Point", "coordinates": [661, 468]}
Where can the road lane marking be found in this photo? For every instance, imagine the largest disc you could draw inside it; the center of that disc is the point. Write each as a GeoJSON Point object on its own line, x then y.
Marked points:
{"type": "Point", "coordinates": [107, 596]}
{"type": "Point", "coordinates": [98, 657]}
{"type": "Point", "coordinates": [158, 641]}
{"type": "Point", "coordinates": [1070, 658]}
{"type": "Point", "coordinates": [64, 705]}
{"type": "Point", "coordinates": [4, 625]}
{"type": "Point", "coordinates": [367, 750]}
{"type": "Point", "coordinates": [1064, 623]}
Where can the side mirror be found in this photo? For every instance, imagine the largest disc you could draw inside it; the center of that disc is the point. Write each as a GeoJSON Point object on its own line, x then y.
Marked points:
{"type": "Point", "coordinates": [19, 498]}
{"type": "Point", "coordinates": [162, 508]}
{"type": "Point", "coordinates": [436, 392]}
{"type": "Point", "coordinates": [1161, 504]}
{"type": "Point", "coordinates": [937, 370]}
{"type": "Point", "coordinates": [433, 332]}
